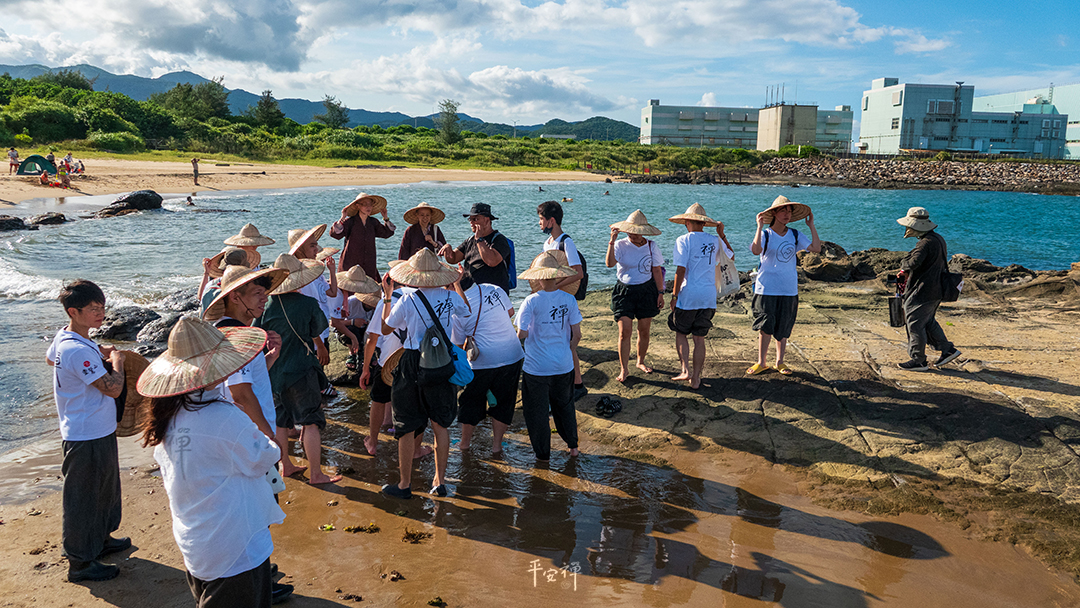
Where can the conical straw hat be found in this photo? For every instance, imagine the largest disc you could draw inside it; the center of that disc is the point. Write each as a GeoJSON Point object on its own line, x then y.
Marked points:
{"type": "Point", "coordinates": [548, 265]}
{"type": "Point", "coordinates": [199, 355]}
{"type": "Point", "coordinates": [637, 224]}
{"type": "Point", "coordinates": [378, 204]}
{"type": "Point", "coordinates": [301, 272]}
{"type": "Point", "coordinates": [695, 213]}
{"type": "Point", "coordinates": [299, 236]}
{"type": "Point", "coordinates": [436, 214]}
{"type": "Point", "coordinates": [424, 270]}
{"type": "Point", "coordinates": [229, 256]}
{"type": "Point", "coordinates": [798, 210]}
{"type": "Point", "coordinates": [391, 365]}
{"type": "Point", "coordinates": [249, 236]}
{"type": "Point", "coordinates": [326, 252]}
{"type": "Point", "coordinates": [236, 277]}
{"type": "Point", "coordinates": [135, 405]}
{"type": "Point", "coordinates": [355, 280]}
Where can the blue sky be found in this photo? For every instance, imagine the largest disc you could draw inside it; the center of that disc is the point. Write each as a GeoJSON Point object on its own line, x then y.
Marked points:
{"type": "Point", "coordinates": [529, 60]}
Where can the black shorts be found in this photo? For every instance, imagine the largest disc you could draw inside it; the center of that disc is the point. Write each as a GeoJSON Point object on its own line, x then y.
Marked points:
{"type": "Point", "coordinates": [300, 403]}
{"type": "Point", "coordinates": [775, 315]}
{"type": "Point", "coordinates": [503, 384]}
{"type": "Point", "coordinates": [635, 301]}
{"type": "Point", "coordinates": [413, 405]}
{"type": "Point", "coordinates": [686, 322]}
{"type": "Point", "coordinates": [380, 391]}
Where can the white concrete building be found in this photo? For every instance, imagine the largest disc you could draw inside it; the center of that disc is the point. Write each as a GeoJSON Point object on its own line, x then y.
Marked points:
{"type": "Point", "coordinates": [1066, 98]}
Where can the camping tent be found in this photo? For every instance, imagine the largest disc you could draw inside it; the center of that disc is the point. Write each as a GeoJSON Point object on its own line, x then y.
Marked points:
{"type": "Point", "coordinates": [35, 164]}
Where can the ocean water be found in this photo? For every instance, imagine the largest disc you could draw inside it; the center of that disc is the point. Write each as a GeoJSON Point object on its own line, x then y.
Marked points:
{"type": "Point", "coordinates": [141, 258]}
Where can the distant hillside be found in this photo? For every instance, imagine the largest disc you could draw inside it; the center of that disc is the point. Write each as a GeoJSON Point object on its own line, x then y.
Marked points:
{"type": "Point", "coordinates": [303, 111]}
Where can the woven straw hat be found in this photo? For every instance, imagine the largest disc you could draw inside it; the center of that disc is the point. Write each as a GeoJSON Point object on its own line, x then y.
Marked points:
{"type": "Point", "coordinates": [696, 213]}
{"type": "Point", "coordinates": [548, 265]}
{"type": "Point", "coordinates": [299, 236]}
{"type": "Point", "coordinates": [326, 252]}
{"type": "Point", "coordinates": [301, 272]}
{"type": "Point", "coordinates": [391, 365]}
{"type": "Point", "coordinates": [424, 270]}
{"type": "Point", "coordinates": [236, 277]}
{"type": "Point", "coordinates": [798, 210]}
{"type": "Point", "coordinates": [436, 214]}
{"type": "Point", "coordinates": [229, 256]}
{"type": "Point", "coordinates": [378, 204]}
{"type": "Point", "coordinates": [355, 280]}
{"type": "Point", "coordinates": [199, 355]}
{"type": "Point", "coordinates": [249, 236]}
{"type": "Point", "coordinates": [917, 218]}
{"type": "Point", "coordinates": [135, 405]}
{"type": "Point", "coordinates": [637, 224]}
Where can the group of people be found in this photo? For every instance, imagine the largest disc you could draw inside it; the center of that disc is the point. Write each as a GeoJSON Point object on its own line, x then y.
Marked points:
{"type": "Point", "coordinates": [236, 382]}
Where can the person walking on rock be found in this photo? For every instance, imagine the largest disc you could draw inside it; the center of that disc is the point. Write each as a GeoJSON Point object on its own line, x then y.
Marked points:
{"type": "Point", "coordinates": [923, 268]}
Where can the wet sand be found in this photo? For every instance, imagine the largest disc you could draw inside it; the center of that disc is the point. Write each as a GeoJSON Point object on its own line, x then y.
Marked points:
{"type": "Point", "coordinates": [111, 176]}
{"type": "Point", "coordinates": [849, 483]}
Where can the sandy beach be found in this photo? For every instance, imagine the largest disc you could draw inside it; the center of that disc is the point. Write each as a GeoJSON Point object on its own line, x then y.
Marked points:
{"type": "Point", "coordinates": [112, 176]}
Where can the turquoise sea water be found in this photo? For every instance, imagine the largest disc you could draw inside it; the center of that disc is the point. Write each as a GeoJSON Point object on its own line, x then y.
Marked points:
{"type": "Point", "coordinates": [143, 257]}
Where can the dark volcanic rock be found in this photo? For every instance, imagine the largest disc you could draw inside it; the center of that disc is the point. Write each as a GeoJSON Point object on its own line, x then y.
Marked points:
{"type": "Point", "coordinates": [182, 301]}
{"type": "Point", "coordinates": [150, 350]}
{"type": "Point", "coordinates": [879, 261]}
{"type": "Point", "coordinates": [833, 265]}
{"type": "Point", "coordinates": [983, 270]}
{"type": "Point", "coordinates": [141, 200]}
{"type": "Point", "coordinates": [8, 222]}
{"type": "Point", "coordinates": [158, 329]}
{"type": "Point", "coordinates": [124, 323]}
{"type": "Point", "coordinates": [46, 219]}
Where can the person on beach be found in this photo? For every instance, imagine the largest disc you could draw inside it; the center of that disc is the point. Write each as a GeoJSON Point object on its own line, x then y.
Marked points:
{"type": "Point", "coordinates": [486, 253]}
{"type": "Point", "coordinates": [214, 462]}
{"type": "Point", "coordinates": [295, 376]}
{"type": "Point", "coordinates": [304, 245]}
{"type": "Point", "coordinates": [693, 294]}
{"type": "Point", "coordinates": [87, 379]}
{"type": "Point", "coordinates": [776, 289]}
{"type": "Point", "coordinates": [423, 231]}
{"type": "Point", "coordinates": [249, 239]}
{"type": "Point", "coordinates": [550, 215]}
{"type": "Point", "coordinates": [243, 297]}
{"type": "Point", "coordinates": [195, 170]}
{"type": "Point", "coordinates": [360, 230]}
{"type": "Point", "coordinates": [190, 203]}
{"type": "Point", "coordinates": [51, 157]}
{"type": "Point", "coordinates": [13, 160]}
{"type": "Point", "coordinates": [496, 365]}
{"type": "Point", "coordinates": [415, 404]}
{"type": "Point", "coordinates": [639, 292]}
{"type": "Point", "coordinates": [549, 322]}
{"type": "Point", "coordinates": [353, 316]}
{"type": "Point", "coordinates": [923, 268]}
{"type": "Point", "coordinates": [44, 179]}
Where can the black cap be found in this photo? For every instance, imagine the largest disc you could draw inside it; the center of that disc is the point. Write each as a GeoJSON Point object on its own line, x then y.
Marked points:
{"type": "Point", "coordinates": [480, 209]}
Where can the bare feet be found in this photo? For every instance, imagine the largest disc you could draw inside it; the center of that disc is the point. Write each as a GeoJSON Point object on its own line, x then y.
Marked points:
{"type": "Point", "coordinates": [371, 444]}
{"type": "Point", "coordinates": [574, 452]}
{"type": "Point", "coordinates": [422, 450]}
{"type": "Point", "coordinates": [294, 433]}
{"type": "Point", "coordinates": [320, 479]}
{"type": "Point", "coordinates": [682, 376]}
{"type": "Point", "coordinates": [623, 375]}
{"type": "Point", "coordinates": [644, 368]}
{"type": "Point", "coordinates": [464, 445]}
{"type": "Point", "coordinates": [695, 383]}
{"type": "Point", "coordinates": [290, 470]}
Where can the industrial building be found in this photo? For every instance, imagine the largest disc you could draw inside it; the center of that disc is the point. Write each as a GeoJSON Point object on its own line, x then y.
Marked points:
{"type": "Point", "coordinates": [898, 117]}
{"type": "Point", "coordinates": [712, 127]}
{"type": "Point", "coordinates": [1066, 98]}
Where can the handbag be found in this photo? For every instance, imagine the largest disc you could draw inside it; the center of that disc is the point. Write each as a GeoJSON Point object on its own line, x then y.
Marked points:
{"type": "Point", "coordinates": [952, 283]}
{"type": "Point", "coordinates": [472, 351]}
{"type": "Point", "coordinates": [440, 359]}
{"type": "Point", "coordinates": [727, 277]}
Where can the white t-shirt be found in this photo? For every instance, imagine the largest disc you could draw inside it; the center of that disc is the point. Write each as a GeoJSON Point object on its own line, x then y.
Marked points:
{"type": "Point", "coordinates": [389, 343]}
{"type": "Point", "coordinates": [257, 375]}
{"type": "Point", "coordinates": [317, 289]}
{"type": "Point", "coordinates": [696, 252]}
{"type": "Point", "coordinates": [777, 274]}
{"type": "Point", "coordinates": [409, 313]}
{"type": "Point", "coordinates": [572, 256]}
{"type": "Point", "coordinates": [547, 316]}
{"type": "Point", "coordinates": [356, 309]}
{"type": "Point", "coordinates": [213, 462]}
{"type": "Point", "coordinates": [633, 264]}
{"type": "Point", "coordinates": [494, 333]}
{"type": "Point", "coordinates": [85, 412]}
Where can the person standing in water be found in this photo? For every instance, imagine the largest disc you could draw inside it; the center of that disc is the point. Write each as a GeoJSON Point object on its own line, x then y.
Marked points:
{"type": "Point", "coordinates": [639, 292]}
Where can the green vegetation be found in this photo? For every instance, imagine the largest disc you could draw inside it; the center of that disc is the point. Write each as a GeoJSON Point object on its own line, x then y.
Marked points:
{"type": "Point", "coordinates": [62, 110]}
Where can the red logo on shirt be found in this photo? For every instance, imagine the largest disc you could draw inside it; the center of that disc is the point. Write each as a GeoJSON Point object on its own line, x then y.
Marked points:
{"type": "Point", "coordinates": [86, 364]}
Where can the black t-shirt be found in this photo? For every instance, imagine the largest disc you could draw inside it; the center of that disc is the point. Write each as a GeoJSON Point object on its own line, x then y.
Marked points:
{"type": "Point", "coordinates": [478, 269]}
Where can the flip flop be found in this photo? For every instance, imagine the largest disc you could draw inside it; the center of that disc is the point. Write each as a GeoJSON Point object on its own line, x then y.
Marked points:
{"type": "Point", "coordinates": [783, 369]}
{"type": "Point", "coordinates": [756, 369]}
{"type": "Point", "coordinates": [614, 407]}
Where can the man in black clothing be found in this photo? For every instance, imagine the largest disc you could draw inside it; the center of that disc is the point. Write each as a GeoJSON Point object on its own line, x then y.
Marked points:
{"type": "Point", "coordinates": [486, 253]}
{"type": "Point", "coordinates": [924, 267]}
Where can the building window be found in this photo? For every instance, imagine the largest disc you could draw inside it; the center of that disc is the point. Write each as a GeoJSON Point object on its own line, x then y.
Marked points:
{"type": "Point", "coordinates": [942, 120]}
{"type": "Point", "coordinates": [1023, 122]}
{"type": "Point", "coordinates": [1057, 124]}
{"type": "Point", "coordinates": [1056, 134]}
{"type": "Point", "coordinates": [1046, 123]}
{"type": "Point", "coordinates": [1046, 132]}
{"type": "Point", "coordinates": [939, 138]}
{"type": "Point", "coordinates": [646, 120]}
{"type": "Point", "coordinates": [896, 123]}
{"type": "Point", "coordinates": [865, 103]}
{"type": "Point", "coordinates": [997, 141]}
{"type": "Point", "coordinates": [1000, 122]}
{"type": "Point", "coordinates": [981, 121]}
{"type": "Point", "coordinates": [897, 98]}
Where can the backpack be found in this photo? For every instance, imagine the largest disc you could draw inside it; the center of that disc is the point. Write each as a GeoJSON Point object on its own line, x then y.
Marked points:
{"type": "Point", "coordinates": [765, 245]}
{"type": "Point", "coordinates": [511, 264]}
{"type": "Point", "coordinates": [440, 360]}
{"type": "Point", "coordinates": [583, 286]}
{"type": "Point", "coordinates": [952, 283]}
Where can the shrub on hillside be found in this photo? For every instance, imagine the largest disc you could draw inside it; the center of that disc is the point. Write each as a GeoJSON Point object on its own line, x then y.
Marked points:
{"type": "Point", "coordinates": [116, 142]}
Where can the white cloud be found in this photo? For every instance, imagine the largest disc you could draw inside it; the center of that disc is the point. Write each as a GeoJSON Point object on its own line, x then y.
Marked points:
{"type": "Point", "coordinates": [708, 100]}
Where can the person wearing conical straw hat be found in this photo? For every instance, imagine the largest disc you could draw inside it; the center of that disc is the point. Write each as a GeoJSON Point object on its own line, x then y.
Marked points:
{"type": "Point", "coordinates": [776, 288]}
{"type": "Point", "coordinates": [639, 292]}
{"type": "Point", "coordinates": [414, 405]}
{"type": "Point", "coordinates": [214, 267]}
{"type": "Point", "coordinates": [551, 215]}
{"type": "Point", "coordinates": [214, 463]}
{"type": "Point", "coordinates": [549, 322]}
{"type": "Point", "coordinates": [87, 380]}
{"type": "Point", "coordinates": [250, 239]}
{"type": "Point", "coordinates": [304, 244]}
{"type": "Point", "coordinates": [924, 266]}
{"type": "Point", "coordinates": [350, 319]}
{"type": "Point", "coordinates": [295, 376]}
{"type": "Point", "coordinates": [360, 230]}
{"type": "Point", "coordinates": [423, 231]}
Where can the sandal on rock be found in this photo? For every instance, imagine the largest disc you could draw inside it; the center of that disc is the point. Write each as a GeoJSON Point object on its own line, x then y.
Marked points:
{"type": "Point", "coordinates": [756, 369]}
{"type": "Point", "coordinates": [614, 407]}
{"type": "Point", "coordinates": [602, 405]}
{"type": "Point", "coordinates": [351, 363]}
{"type": "Point", "coordinates": [783, 369]}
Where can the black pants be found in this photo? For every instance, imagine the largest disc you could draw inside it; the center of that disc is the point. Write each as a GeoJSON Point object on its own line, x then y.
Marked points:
{"type": "Point", "coordinates": [251, 589]}
{"type": "Point", "coordinates": [923, 329]}
{"type": "Point", "coordinates": [541, 395]}
{"type": "Point", "coordinates": [91, 496]}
